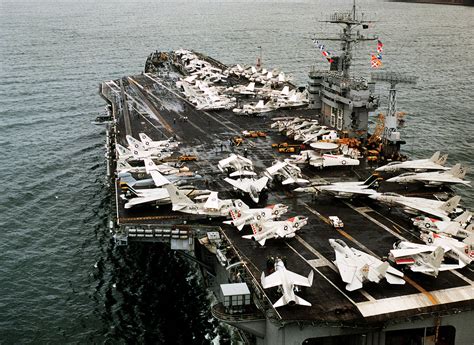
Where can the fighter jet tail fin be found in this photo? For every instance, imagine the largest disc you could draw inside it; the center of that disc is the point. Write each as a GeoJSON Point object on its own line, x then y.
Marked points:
{"type": "Point", "coordinates": [434, 158]}
{"type": "Point", "coordinates": [177, 197]}
{"type": "Point", "coordinates": [450, 205]}
{"type": "Point", "coordinates": [463, 218]}
{"type": "Point", "coordinates": [442, 160]}
{"type": "Point", "coordinates": [378, 273]}
{"type": "Point", "coordinates": [436, 258]}
{"type": "Point", "coordinates": [301, 301]}
{"type": "Point", "coordinates": [458, 171]}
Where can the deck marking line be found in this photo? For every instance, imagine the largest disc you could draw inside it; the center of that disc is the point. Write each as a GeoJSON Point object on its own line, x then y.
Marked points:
{"type": "Point", "coordinates": [432, 298]}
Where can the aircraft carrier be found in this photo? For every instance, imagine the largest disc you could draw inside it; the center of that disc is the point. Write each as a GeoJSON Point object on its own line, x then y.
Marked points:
{"type": "Point", "coordinates": [426, 310]}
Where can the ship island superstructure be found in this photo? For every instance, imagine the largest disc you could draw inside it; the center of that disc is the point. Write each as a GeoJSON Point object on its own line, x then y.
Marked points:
{"type": "Point", "coordinates": [209, 129]}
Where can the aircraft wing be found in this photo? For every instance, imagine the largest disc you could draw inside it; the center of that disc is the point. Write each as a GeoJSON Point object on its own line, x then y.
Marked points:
{"type": "Point", "coordinates": [441, 178]}
{"type": "Point", "coordinates": [346, 190]}
{"type": "Point", "coordinates": [425, 209]}
{"type": "Point", "coordinates": [299, 280]}
{"type": "Point", "coordinates": [145, 199]}
{"type": "Point", "coordinates": [243, 173]}
{"type": "Point", "coordinates": [397, 253]}
{"type": "Point", "coordinates": [159, 179]}
{"type": "Point", "coordinates": [347, 272]}
{"type": "Point", "coordinates": [224, 162]}
{"type": "Point", "coordinates": [274, 168]}
{"type": "Point", "coordinates": [261, 183]}
{"type": "Point", "coordinates": [237, 184]}
{"type": "Point", "coordinates": [272, 280]}
{"type": "Point", "coordinates": [212, 201]}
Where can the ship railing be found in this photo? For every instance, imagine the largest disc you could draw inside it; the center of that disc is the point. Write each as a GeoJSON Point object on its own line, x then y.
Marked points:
{"type": "Point", "coordinates": [220, 313]}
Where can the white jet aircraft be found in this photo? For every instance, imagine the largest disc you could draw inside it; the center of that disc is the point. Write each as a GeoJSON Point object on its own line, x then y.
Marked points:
{"type": "Point", "coordinates": [287, 282]}
{"type": "Point", "coordinates": [250, 186]}
{"type": "Point", "coordinates": [278, 229]}
{"type": "Point", "coordinates": [322, 160]}
{"type": "Point", "coordinates": [237, 164]}
{"type": "Point", "coordinates": [458, 227]}
{"type": "Point", "coordinates": [436, 162]}
{"type": "Point", "coordinates": [164, 168]}
{"type": "Point", "coordinates": [412, 205]}
{"type": "Point", "coordinates": [344, 189]}
{"type": "Point", "coordinates": [288, 173]}
{"type": "Point", "coordinates": [124, 166]}
{"type": "Point", "coordinates": [148, 143]}
{"type": "Point", "coordinates": [159, 196]}
{"type": "Point", "coordinates": [435, 178]}
{"type": "Point", "coordinates": [356, 267]}
{"type": "Point", "coordinates": [243, 215]}
{"type": "Point", "coordinates": [461, 251]}
{"type": "Point", "coordinates": [420, 258]}
{"type": "Point", "coordinates": [139, 151]}
{"type": "Point", "coordinates": [212, 207]}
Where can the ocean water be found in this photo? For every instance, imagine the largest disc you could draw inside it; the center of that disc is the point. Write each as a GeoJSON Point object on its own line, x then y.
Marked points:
{"type": "Point", "coordinates": [61, 278]}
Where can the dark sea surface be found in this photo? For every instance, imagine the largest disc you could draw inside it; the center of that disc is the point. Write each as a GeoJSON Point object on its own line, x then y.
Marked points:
{"type": "Point", "coordinates": [61, 278]}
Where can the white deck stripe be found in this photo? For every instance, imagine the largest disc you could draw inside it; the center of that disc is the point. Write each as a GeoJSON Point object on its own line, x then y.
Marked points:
{"type": "Point", "coordinates": [373, 220]}
{"type": "Point", "coordinates": [419, 300]}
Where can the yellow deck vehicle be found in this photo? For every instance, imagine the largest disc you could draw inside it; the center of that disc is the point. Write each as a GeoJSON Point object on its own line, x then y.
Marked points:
{"type": "Point", "coordinates": [187, 158]}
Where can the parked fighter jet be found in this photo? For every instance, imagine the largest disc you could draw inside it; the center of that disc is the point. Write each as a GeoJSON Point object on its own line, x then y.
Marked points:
{"type": "Point", "coordinates": [436, 162]}
{"type": "Point", "coordinates": [435, 178]}
{"type": "Point", "coordinates": [412, 205]}
{"type": "Point", "coordinates": [164, 168]}
{"type": "Point", "coordinates": [321, 160]}
{"type": "Point", "coordinates": [158, 196]}
{"type": "Point", "coordinates": [139, 151]}
{"type": "Point", "coordinates": [344, 189]}
{"type": "Point", "coordinates": [124, 166]}
{"type": "Point", "coordinates": [461, 251]}
{"type": "Point", "coordinates": [458, 227]}
{"type": "Point", "coordinates": [287, 282]}
{"type": "Point", "coordinates": [237, 165]}
{"type": "Point", "coordinates": [148, 143]}
{"type": "Point", "coordinates": [243, 215]}
{"type": "Point", "coordinates": [356, 267]}
{"type": "Point", "coordinates": [420, 258]}
{"type": "Point", "coordinates": [278, 229]}
{"type": "Point", "coordinates": [259, 108]}
{"type": "Point", "coordinates": [250, 186]}
{"type": "Point", "coordinates": [286, 172]}
{"type": "Point", "coordinates": [212, 207]}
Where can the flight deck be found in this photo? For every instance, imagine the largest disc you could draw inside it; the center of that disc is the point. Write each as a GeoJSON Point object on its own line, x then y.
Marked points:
{"type": "Point", "coordinates": [151, 103]}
